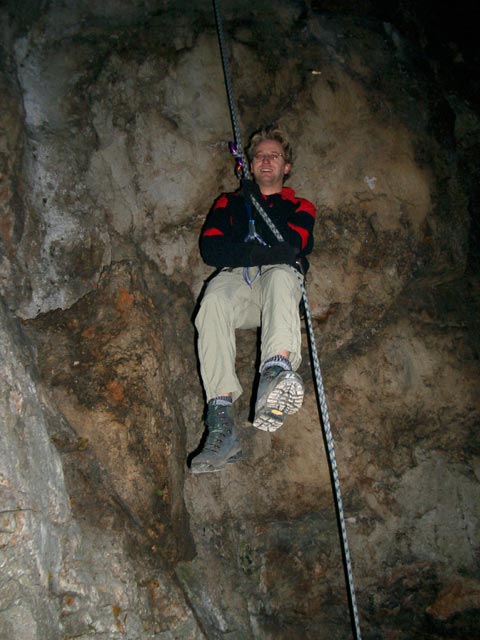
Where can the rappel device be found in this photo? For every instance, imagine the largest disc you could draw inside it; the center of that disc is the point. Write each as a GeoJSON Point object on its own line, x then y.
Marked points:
{"type": "Point", "coordinates": [255, 238]}
{"type": "Point", "coordinates": [242, 169]}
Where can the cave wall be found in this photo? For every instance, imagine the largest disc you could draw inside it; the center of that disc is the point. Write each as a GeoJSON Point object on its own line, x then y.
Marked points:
{"type": "Point", "coordinates": [113, 145]}
{"type": "Point", "coordinates": [64, 575]}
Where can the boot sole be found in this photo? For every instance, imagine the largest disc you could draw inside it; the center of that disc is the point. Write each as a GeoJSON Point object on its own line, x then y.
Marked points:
{"type": "Point", "coordinates": [284, 399]}
{"type": "Point", "coordinates": [207, 467]}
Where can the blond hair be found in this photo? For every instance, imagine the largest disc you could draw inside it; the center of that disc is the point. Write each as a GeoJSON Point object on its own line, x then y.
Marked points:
{"type": "Point", "coordinates": [271, 132]}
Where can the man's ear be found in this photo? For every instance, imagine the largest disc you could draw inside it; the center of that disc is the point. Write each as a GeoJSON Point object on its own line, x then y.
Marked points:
{"type": "Point", "coordinates": [287, 168]}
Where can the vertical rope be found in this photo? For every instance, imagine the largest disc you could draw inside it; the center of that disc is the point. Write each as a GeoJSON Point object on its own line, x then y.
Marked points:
{"type": "Point", "coordinates": [321, 398]}
{"type": "Point", "coordinates": [238, 151]}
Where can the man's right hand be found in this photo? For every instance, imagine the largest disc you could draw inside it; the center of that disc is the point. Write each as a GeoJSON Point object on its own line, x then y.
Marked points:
{"type": "Point", "coordinates": [249, 187]}
{"type": "Point", "coordinates": [281, 253]}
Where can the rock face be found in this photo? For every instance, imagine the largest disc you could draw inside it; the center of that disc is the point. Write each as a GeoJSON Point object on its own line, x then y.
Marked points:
{"type": "Point", "coordinates": [113, 135]}
{"type": "Point", "coordinates": [63, 576]}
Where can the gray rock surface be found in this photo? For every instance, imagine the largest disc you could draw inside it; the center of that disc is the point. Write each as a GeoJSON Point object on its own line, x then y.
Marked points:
{"type": "Point", "coordinates": [63, 578]}
{"type": "Point", "coordinates": [35, 506]}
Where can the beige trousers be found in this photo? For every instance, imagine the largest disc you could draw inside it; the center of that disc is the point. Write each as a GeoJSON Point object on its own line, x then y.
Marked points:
{"type": "Point", "coordinates": [229, 303]}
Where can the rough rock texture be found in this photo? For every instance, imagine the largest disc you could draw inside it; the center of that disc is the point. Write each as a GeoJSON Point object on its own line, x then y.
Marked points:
{"type": "Point", "coordinates": [113, 134]}
{"type": "Point", "coordinates": [65, 577]}
{"type": "Point", "coordinates": [114, 375]}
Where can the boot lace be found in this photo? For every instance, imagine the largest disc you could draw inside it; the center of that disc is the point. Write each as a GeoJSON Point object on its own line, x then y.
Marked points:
{"type": "Point", "coordinates": [218, 431]}
{"type": "Point", "coordinates": [214, 440]}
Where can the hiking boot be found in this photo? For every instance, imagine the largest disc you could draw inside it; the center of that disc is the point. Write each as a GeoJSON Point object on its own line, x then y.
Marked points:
{"type": "Point", "coordinates": [222, 445]}
{"type": "Point", "coordinates": [280, 393]}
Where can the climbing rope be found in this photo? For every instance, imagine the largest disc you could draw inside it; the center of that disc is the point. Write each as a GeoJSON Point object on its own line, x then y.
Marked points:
{"type": "Point", "coordinates": [242, 166]}
{"type": "Point", "coordinates": [235, 148]}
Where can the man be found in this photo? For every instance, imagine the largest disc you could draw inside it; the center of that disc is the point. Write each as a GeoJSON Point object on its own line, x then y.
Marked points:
{"type": "Point", "coordinates": [258, 285]}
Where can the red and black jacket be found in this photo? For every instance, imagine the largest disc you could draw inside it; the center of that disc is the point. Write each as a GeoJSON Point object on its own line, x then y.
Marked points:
{"type": "Point", "coordinates": [222, 241]}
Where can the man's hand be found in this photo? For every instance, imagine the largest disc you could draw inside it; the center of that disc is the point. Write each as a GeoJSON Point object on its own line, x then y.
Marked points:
{"type": "Point", "coordinates": [249, 187]}
{"type": "Point", "coordinates": [281, 253]}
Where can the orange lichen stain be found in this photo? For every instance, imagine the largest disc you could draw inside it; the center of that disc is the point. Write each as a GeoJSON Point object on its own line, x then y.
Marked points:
{"type": "Point", "coordinates": [456, 598]}
{"type": "Point", "coordinates": [115, 392]}
{"type": "Point", "coordinates": [68, 600]}
{"type": "Point", "coordinates": [120, 624]}
{"type": "Point", "coordinates": [6, 232]}
{"type": "Point", "coordinates": [125, 300]}
{"type": "Point", "coordinates": [88, 333]}
{"type": "Point", "coordinates": [81, 444]}
{"type": "Point", "coordinates": [5, 191]}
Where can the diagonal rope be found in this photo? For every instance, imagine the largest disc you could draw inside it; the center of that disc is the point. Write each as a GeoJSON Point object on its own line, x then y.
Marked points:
{"type": "Point", "coordinates": [332, 458]}
{"type": "Point", "coordinates": [238, 152]}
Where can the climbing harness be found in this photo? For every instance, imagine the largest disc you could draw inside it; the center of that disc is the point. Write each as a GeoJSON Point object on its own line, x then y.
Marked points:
{"type": "Point", "coordinates": [253, 237]}
{"type": "Point", "coordinates": [242, 168]}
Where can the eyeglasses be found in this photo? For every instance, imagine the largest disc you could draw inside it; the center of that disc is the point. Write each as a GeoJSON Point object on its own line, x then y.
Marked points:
{"type": "Point", "coordinates": [274, 156]}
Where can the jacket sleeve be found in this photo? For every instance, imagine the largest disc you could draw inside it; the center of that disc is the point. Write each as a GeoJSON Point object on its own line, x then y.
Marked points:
{"type": "Point", "coordinates": [217, 247]}
{"type": "Point", "coordinates": [301, 221]}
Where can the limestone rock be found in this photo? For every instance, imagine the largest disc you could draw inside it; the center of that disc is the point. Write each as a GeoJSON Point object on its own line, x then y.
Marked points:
{"type": "Point", "coordinates": [63, 578]}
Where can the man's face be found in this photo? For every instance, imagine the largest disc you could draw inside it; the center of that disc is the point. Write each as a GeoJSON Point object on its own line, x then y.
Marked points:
{"type": "Point", "coordinates": [269, 167]}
